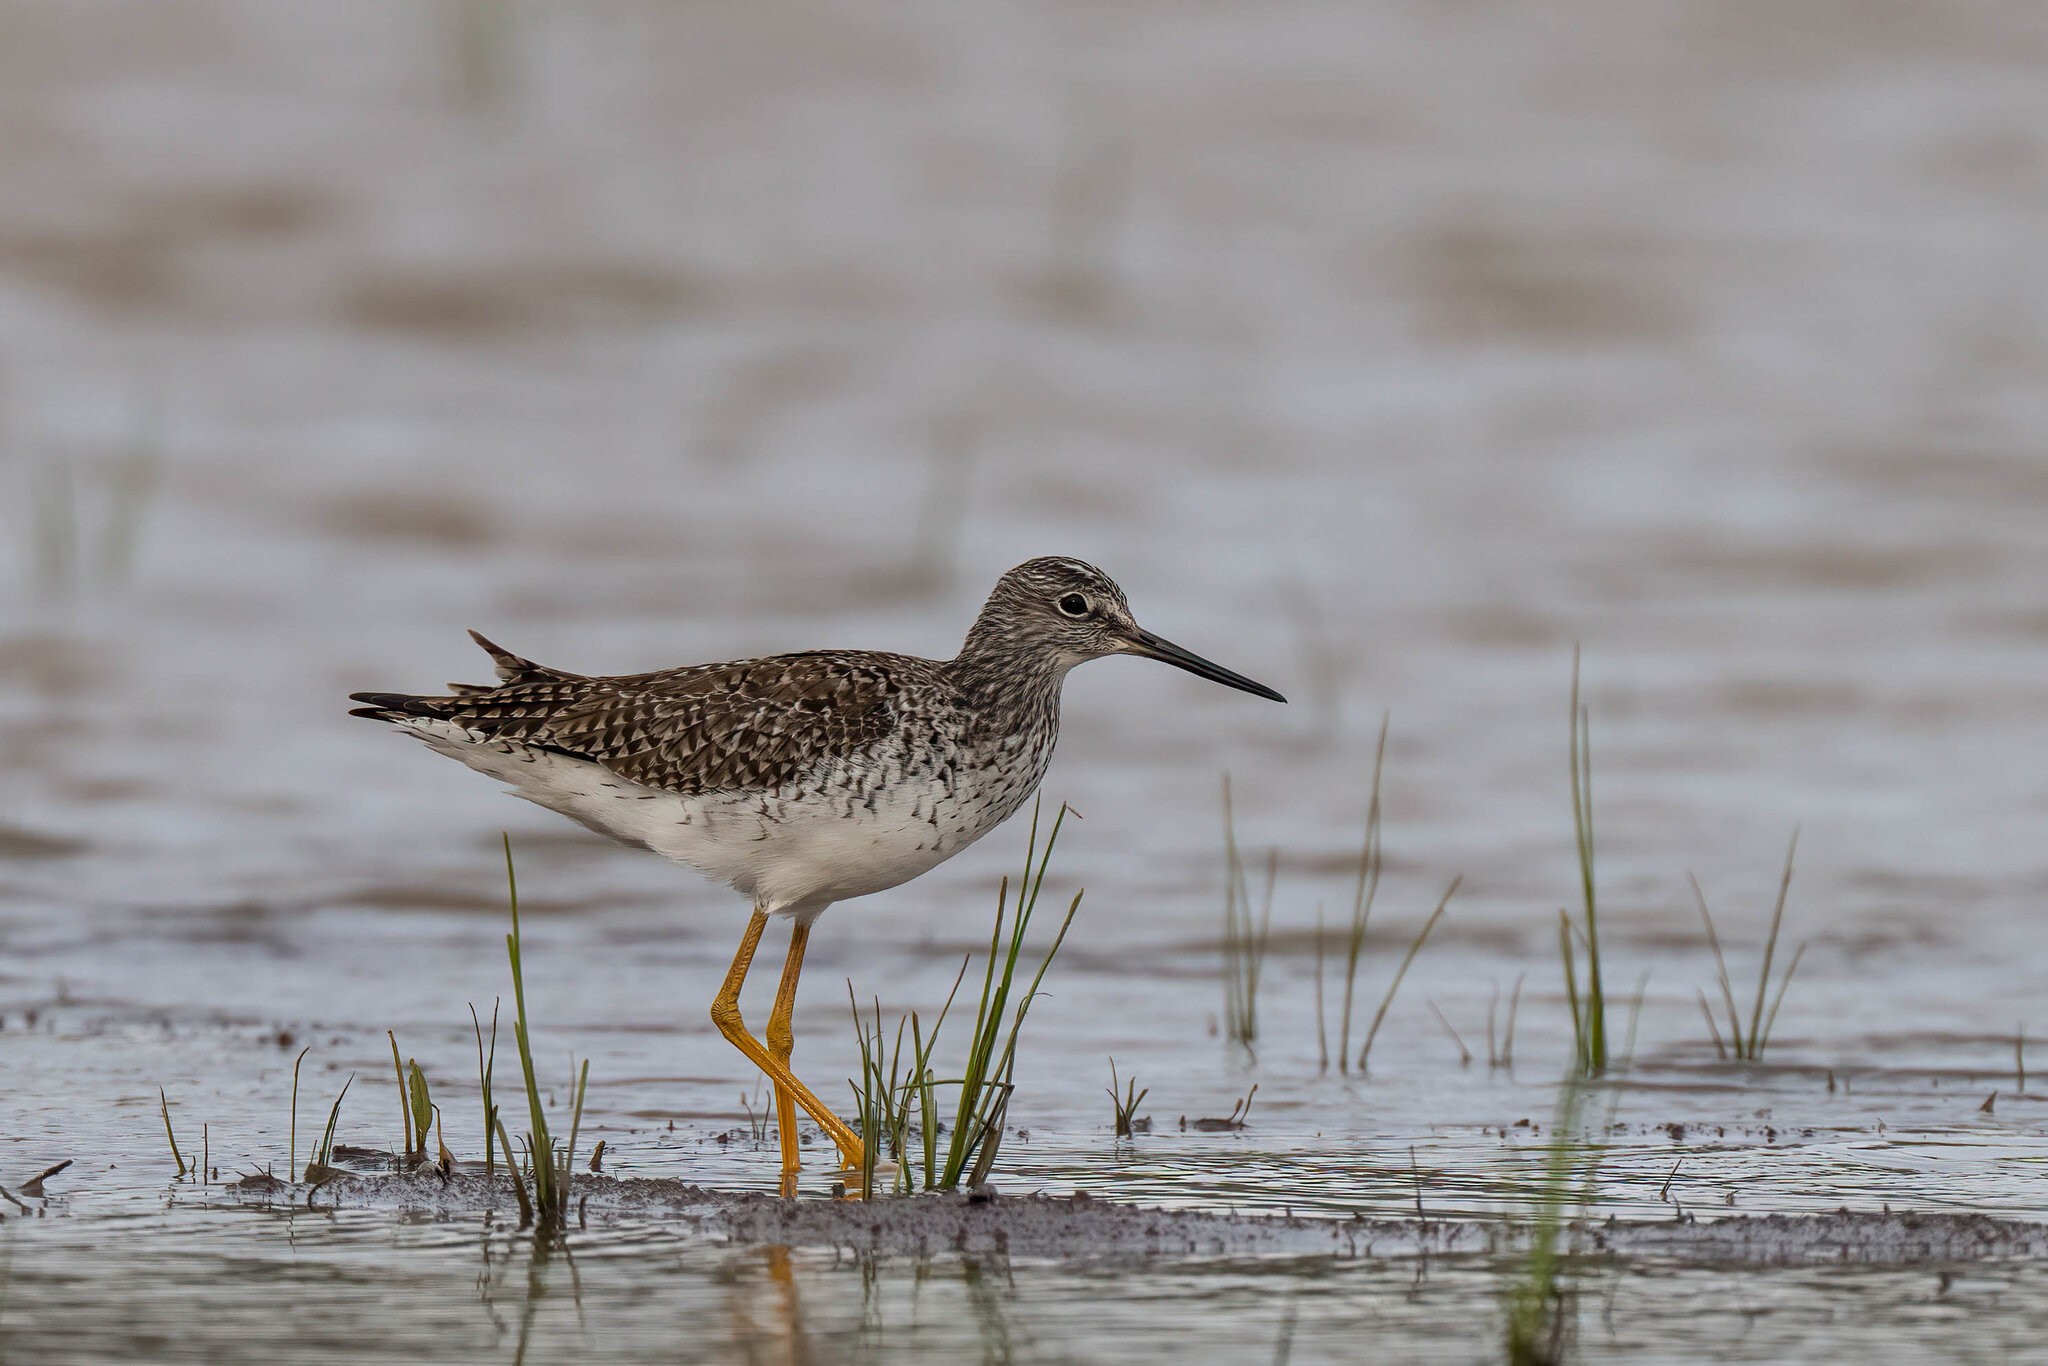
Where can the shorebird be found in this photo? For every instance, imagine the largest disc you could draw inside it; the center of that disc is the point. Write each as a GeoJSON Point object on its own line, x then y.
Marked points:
{"type": "Point", "coordinates": [800, 779]}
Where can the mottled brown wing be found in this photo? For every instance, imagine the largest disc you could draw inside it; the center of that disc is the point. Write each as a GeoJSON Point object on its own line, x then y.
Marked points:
{"type": "Point", "coordinates": [744, 727]}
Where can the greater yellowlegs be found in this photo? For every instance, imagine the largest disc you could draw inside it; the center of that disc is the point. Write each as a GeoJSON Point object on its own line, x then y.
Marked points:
{"type": "Point", "coordinates": [800, 779]}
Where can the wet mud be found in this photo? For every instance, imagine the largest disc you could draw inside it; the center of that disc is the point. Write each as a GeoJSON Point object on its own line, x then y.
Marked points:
{"type": "Point", "coordinates": [1080, 1227]}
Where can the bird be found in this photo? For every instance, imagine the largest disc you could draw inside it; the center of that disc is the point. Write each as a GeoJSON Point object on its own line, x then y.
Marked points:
{"type": "Point", "coordinates": [800, 780]}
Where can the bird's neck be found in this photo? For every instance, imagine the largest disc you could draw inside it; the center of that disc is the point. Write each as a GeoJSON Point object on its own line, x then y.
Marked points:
{"type": "Point", "coordinates": [999, 679]}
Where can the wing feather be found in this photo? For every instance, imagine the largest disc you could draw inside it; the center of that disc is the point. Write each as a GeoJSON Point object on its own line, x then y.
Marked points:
{"type": "Point", "coordinates": [752, 725]}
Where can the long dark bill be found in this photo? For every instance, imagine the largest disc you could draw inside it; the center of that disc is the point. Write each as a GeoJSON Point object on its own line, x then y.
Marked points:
{"type": "Point", "coordinates": [1156, 647]}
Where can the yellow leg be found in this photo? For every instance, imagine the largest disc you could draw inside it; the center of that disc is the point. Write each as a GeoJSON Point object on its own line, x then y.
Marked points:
{"type": "Point", "coordinates": [781, 1043]}
{"type": "Point", "coordinates": [725, 1013]}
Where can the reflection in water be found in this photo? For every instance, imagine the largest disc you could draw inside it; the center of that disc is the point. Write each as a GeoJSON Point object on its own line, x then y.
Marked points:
{"type": "Point", "coordinates": [904, 1302]}
{"type": "Point", "coordinates": [537, 1255]}
{"type": "Point", "coordinates": [545, 1248]}
{"type": "Point", "coordinates": [987, 1296]}
{"type": "Point", "coordinates": [781, 1340]}
{"type": "Point", "coordinates": [208, 1285]}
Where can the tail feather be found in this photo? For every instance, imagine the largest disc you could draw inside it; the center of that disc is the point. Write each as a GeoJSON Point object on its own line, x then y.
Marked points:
{"type": "Point", "coordinates": [390, 706]}
{"type": "Point", "coordinates": [512, 670]}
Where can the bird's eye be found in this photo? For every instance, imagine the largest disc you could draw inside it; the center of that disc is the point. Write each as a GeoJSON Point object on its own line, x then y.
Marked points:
{"type": "Point", "coordinates": [1074, 605]}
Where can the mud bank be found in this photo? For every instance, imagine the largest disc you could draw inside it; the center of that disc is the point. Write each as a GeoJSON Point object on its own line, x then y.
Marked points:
{"type": "Point", "coordinates": [1080, 1227]}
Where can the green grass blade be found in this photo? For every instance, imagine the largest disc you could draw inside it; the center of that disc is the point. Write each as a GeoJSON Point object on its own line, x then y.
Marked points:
{"type": "Point", "coordinates": [485, 1066]}
{"type": "Point", "coordinates": [404, 1110]}
{"type": "Point", "coordinates": [1400, 972]}
{"type": "Point", "coordinates": [575, 1129]}
{"type": "Point", "coordinates": [1370, 861]}
{"type": "Point", "coordinates": [1569, 957]}
{"type": "Point", "coordinates": [526, 1219]}
{"type": "Point", "coordinates": [324, 1155]}
{"type": "Point", "coordinates": [1713, 1030]}
{"type": "Point", "coordinates": [164, 1103]}
{"type": "Point", "coordinates": [1720, 970]}
{"type": "Point", "coordinates": [422, 1107]}
{"type": "Point", "coordinates": [1771, 1018]}
{"type": "Point", "coordinates": [1594, 1014]}
{"type": "Point", "coordinates": [540, 1140]}
{"type": "Point", "coordinates": [1763, 981]}
{"type": "Point", "coordinates": [292, 1152]}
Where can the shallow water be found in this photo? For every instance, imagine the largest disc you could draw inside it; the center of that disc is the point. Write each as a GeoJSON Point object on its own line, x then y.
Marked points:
{"type": "Point", "coordinates": [1380, 352]}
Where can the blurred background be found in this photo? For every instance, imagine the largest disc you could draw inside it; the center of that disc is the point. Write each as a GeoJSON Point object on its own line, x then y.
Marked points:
{"type": "Point", "coordinates": [1382, 351]}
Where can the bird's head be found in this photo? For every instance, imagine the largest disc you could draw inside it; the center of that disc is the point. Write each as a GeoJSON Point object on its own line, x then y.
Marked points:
{"type": "Point", "coordinates": [1069, 612]}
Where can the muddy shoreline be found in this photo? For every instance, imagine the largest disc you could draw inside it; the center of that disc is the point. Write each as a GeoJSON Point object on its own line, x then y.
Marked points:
{"type": "Point", "coordinates": [1080, 1227]}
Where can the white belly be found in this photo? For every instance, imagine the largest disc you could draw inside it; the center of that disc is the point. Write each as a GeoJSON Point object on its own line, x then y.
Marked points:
{"type": "Point", "coordinates": [793, 852]}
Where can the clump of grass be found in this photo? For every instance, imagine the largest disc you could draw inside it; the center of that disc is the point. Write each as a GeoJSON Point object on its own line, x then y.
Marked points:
{"type": "Point", "coordinates": [990, 1078]}
{"type": "Point", "coordinates": [1369, 863]}
{"type": "Point", "coordinates": [550, 1163]}
{"type": "Point", "coordinates": [1748, 1044]}
{"type": "Point", "coordinates": [887, 1093]}
{"type": "Point", "coordinates": [1589, 1008]}
{"type": "Point", "coordinates": [1127, 1100]}
{"type": "Point", "coordinates": [415, 1104]}
{"type": "Point", "coordinates": [886, 1096]}
{"type": "Point", "coordinates": [320, 1166]}
{"type": "Point", "coordinates": [486, 1065]}
{"type": "Point", "coordinates": [1394, 985]}
{"type": "Point", "coordinates": [1363, 896]}
{"type": "Point", "coordinates": [1244, 937]}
